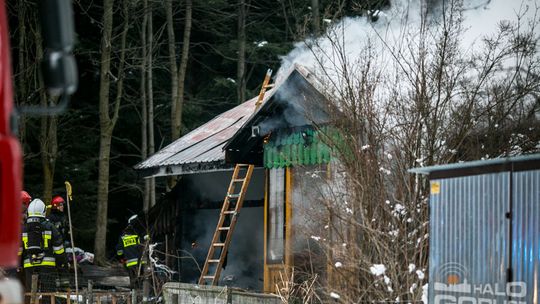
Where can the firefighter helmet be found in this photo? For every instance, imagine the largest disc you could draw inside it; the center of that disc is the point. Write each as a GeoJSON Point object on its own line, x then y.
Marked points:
{"type": "Point", "coordinates": [25, 198]}
{"type": "Point", "coordinates": [132, 219]}
{"type": "Point", "coordinates": [57, 201]}
{"type": "Point", "coordinates": [36, 208]}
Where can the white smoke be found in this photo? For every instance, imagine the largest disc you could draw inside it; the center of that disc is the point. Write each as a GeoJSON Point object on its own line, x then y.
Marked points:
{"type": "Point", "coordinates": [390, 40]}
{"type": "Point", "coordinates": [385, 55]}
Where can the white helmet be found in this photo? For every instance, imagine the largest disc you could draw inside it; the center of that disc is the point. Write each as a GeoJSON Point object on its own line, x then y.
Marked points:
{"type": "Point", "coordinates": [132, 219]}
{"type": "Point", "coordinates": [36, 208]}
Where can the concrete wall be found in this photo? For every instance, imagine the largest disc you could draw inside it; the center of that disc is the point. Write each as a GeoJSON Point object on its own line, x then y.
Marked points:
{"type": "Point", "coordinates": [181, 293]}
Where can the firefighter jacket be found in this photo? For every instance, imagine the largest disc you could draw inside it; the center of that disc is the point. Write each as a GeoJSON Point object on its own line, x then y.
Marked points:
{"type": "Point", "coordinates": [58, 219]}
{"type": "Point", "coordinates": [52, 247]}
{"type": "Point", "coordinates": [129, 247]}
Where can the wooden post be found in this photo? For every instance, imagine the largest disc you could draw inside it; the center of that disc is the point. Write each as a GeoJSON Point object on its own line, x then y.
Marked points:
{"type": "Point", "coordinates": [34, 288]}
{"type": "Point", "coordinates": [113, 299]}
{"type": "Point", "coordinates": [68, 299]}
{"type": "Point", "coordinates": [133, 296]}
{"type": "Point", "coordinates": [90, 292]}
{"type": "Point", "coordinates": [52, 298]}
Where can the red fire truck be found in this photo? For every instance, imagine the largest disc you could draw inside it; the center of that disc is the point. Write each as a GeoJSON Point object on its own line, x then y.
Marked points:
{"type": "Point", "coordinates": [60, 75]}
{"type": "Point", "coordinates": [10, 157]}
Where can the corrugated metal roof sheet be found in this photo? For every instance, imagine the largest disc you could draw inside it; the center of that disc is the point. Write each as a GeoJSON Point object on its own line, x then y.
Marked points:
{"type": "Point", "coordinates": [204, 144]}
{"type": "Point", "coordinates": [477, 163]}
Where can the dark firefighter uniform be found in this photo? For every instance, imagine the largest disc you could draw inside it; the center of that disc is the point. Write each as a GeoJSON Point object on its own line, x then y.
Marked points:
{"type": "Point", "coordinates": [129, 250]}
{"type": "Point", "coordinates": [58, 219]}
{"type": "Point", "coordinates": [46, 263]}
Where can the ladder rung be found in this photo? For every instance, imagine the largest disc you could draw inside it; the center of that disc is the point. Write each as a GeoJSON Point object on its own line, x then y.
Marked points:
{"type": "Point", "coordinates": [229, 212]}
{"type": "Point", "coordinates": [224, 228]}
{"type": "Point", "coordinates": [213, 261]}
{"type": "Point", "coordinates": [219, 244]}
{"type": "Point", "coordinates": [233, 195]}
{"type": "Point", "coordinates": [269, 86]}
{"type": "Point", "coordinates": [242, 165]}
{"type": "Point", "coordinates": [208, 277]}
{"type": "Point", "coordinates": [239, 180]}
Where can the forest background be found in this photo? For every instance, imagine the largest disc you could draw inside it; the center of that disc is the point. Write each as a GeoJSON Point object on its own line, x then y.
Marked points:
{"type": "Point", "coordinates": [169, 66]}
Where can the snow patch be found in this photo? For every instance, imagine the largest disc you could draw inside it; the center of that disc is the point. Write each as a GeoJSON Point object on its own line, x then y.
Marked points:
{"type": "Point", "coordinates": [260, 43]}
{"type": "Point", "coordinates": [420, 274]}
{"type": "Point", "coordinates": [378, 269]}
{"type": "Point", "coordinates": [334, 295]}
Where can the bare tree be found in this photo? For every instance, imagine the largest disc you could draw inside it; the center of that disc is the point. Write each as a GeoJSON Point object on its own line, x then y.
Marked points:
{"type": "Point", "coordinates": [316, 22]}
{"type": "Point", "coordinates": [108, 122]}
{"type": "Point", "coordinates": [178, 77]}
{"type": "Point", "coordinates": [151, 140]}
{"type": "Point", "coordinates": [241, 63]}
{"type": "Point", "coordinates": [48, 137]}
{"type": "Point", "coordinates": [144, 104]}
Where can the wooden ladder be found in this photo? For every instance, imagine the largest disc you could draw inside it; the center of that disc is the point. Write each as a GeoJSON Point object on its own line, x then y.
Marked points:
{"type": "Point", "coordinates": [227, 222]}
{"type": "Point", "coordinates": [229, 211]}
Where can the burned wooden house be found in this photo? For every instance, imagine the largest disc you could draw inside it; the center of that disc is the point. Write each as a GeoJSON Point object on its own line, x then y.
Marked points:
{"type": "Point", "coordinates": [283, 139]}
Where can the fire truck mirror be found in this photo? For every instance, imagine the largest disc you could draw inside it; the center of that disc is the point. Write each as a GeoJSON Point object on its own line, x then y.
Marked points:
{"type": "Point", "coordinates": [57, 25]}
{"type": "Point", "coordinates": [59, 73]}
{"type": "Point", "coordinates": [59, 67]}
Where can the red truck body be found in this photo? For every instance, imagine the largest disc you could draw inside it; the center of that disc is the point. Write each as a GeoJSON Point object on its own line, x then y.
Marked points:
{"type": "Point", "coordinates": [10, 157]}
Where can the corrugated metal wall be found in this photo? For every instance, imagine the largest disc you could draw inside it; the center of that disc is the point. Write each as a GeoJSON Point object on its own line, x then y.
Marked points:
{"type": "Point", "coordinates": [473, 241]}
{"type": "Point", "coordinates": [469, 233]}
{"type": "Point", "coordinates": [526, 232]}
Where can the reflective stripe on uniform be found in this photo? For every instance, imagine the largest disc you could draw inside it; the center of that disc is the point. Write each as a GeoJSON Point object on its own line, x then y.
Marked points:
{"type": "Point", "coordinates": [132, 262]}
{"type": "Point", "coordinates": [130, 240]}
{"type": "Point", "coordinates": [25, 240]}
{"type": "Point", "coordinates": [35, 214]}
{"type": "Point", "coordinates": [47, 261]}
{"type": "Point", "coordinates": [46, 237]}
{"type": "Point", "coordinates": [120, 252]}
{"type": "Point", "coordinates": [58, 249]}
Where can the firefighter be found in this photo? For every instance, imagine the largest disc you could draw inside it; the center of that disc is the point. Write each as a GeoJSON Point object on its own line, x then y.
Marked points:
{"type": "Point", "coordinates": [42, 250]}
{"type": "Point", "coordinates": [25, 198]}
{"type": "Point", "coordinates": [58, 218]}
{"type": "Point", "coordinates": [129, 251]}
{"type": "Point", "coordinates": [17, 272]}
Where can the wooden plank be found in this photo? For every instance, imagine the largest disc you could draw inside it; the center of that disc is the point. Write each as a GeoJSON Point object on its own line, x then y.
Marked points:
{"type": "Point", "coordinates": [266, 281]}
{"type": "Point", "coordinates": [33, 297]}
{"type": "Point", "coordinates": [289, 233]}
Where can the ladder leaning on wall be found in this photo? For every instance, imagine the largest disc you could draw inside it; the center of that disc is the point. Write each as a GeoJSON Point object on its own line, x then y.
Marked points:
{"type": "Point", "coordinates": [229, 211]}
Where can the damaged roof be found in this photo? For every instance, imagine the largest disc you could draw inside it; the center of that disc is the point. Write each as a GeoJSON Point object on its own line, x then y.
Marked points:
{"type": "Point", "coordinates": [296, 103]}
{"type": "Point", "coordinates": [202, 150]}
